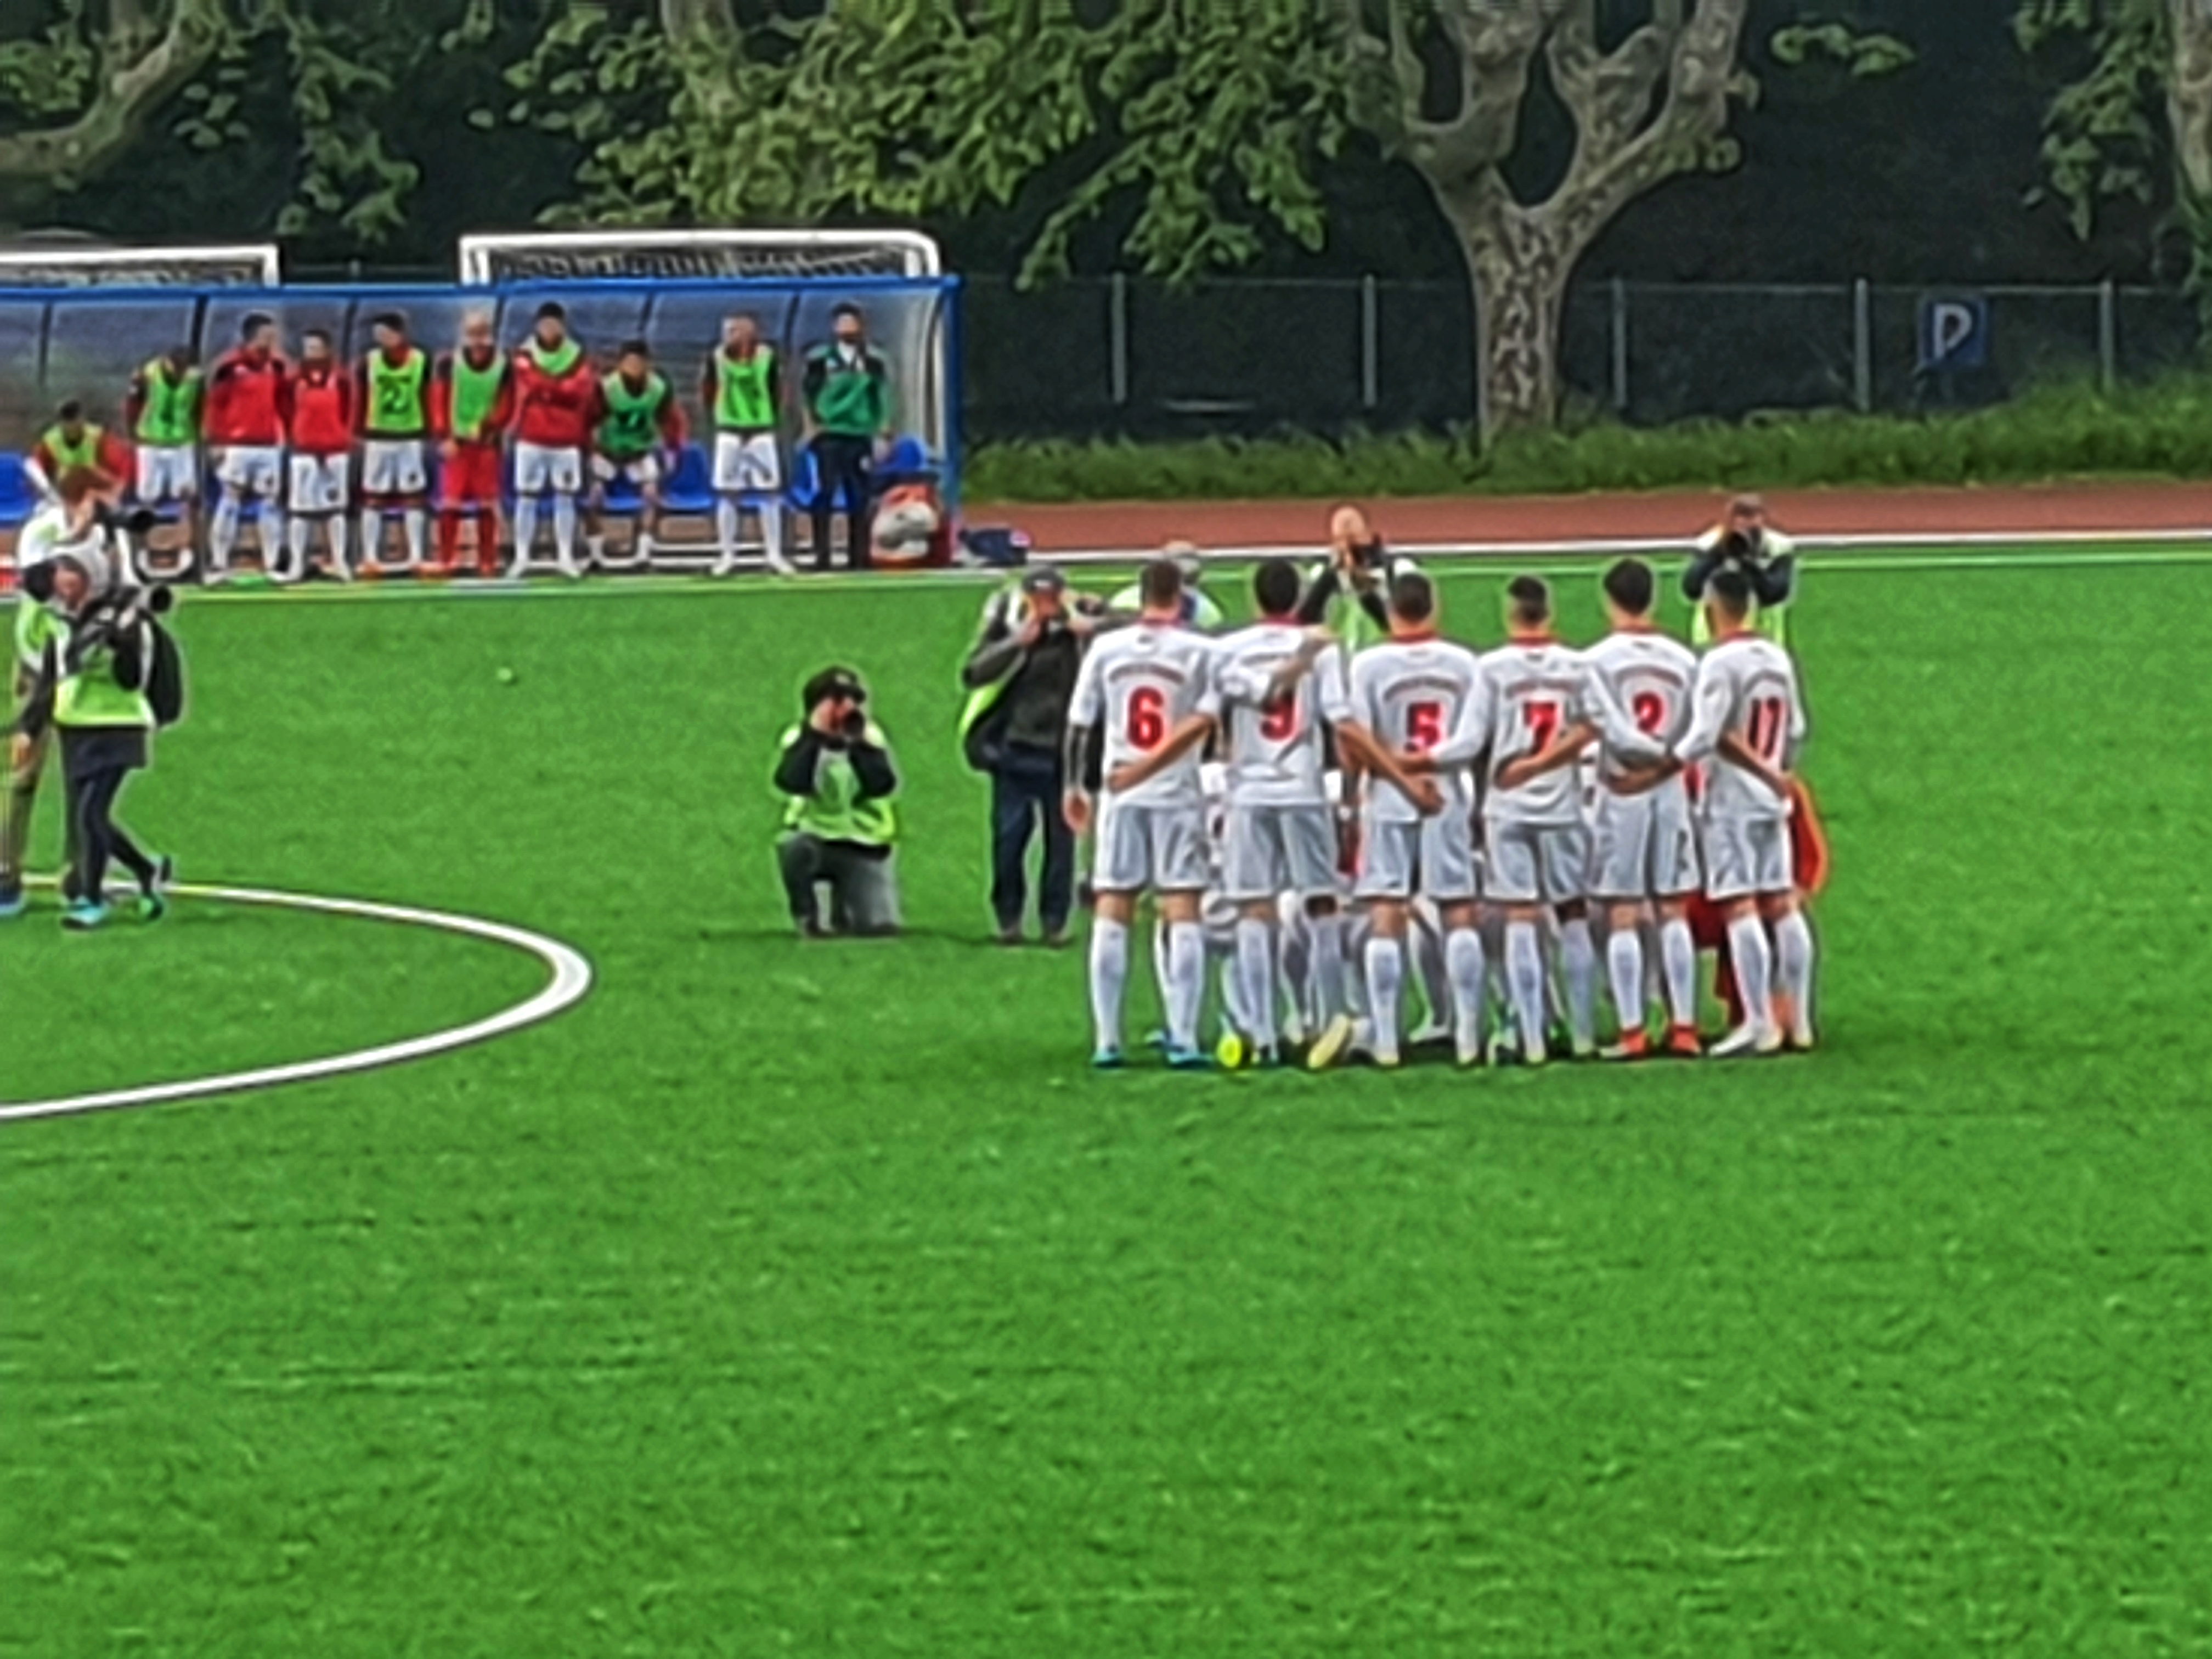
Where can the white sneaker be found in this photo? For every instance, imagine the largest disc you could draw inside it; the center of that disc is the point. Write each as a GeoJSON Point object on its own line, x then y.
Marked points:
{"type": "Point", "coordinates": [1748, 1041]}
{"type": "Point", "coordinates": [782, 565]}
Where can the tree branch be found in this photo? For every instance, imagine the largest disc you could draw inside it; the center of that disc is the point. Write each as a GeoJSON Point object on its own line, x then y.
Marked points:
{"type": "Point", "coordinates": [2189, 93]}
{"type": "Point", "coordinates": [683, 20]}
{"type": "Point", "coordinates": [131, 86]}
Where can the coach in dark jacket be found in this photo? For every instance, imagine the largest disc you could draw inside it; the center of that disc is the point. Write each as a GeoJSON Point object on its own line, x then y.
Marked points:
{"type": "Point", "coordinates": [1021, 680]}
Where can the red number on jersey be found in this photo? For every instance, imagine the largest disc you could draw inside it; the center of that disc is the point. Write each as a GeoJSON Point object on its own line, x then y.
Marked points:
{"type": "Point", "coordinates": [1543, 720]}
{"type": "Point", "coordinates": [1769, 725]}
{"type": "Point", "coordinates": [1148, 718]}
{"type": "Point", "coordinates": [1279, 720]}
{"type": "Point", "coordinates": [1424, 726]}
{"type": "Point", "coordinates": [1650, 711]}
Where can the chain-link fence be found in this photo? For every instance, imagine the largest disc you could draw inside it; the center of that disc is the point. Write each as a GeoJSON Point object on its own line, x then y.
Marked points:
{"type": "Point", "coordinates": [1100, 356]}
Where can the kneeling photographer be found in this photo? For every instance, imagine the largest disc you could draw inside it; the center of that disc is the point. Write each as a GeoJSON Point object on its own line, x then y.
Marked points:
{"type": "Point", "coordinates": [839, 822]}
{"type": "Point", "coordinates": [107, 678]}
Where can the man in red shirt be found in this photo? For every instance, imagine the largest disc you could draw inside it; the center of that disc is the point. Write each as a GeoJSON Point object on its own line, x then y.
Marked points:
{"type": "Point", "coordinates": [557, 404]}
{"type": "Point", "coordinates": [471, 406]}
{"type": "Point", "coordinates": [318, 418]}
{"type": "Point", "coordinates": [244, 419]}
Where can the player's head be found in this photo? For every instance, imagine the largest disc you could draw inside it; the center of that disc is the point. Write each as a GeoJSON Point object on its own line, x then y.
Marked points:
{"type": "Point", "coordinates": [849, 325]}
{"type": "Point", "coordinates": [1747, 514]}
{"type": "Point", "coordinates": [1275, 589]}
{"type": "Point", "coordinates": [182, 356]}
{"type": "Point", "coordinates": [257, 333]}
{"type": "Point", "coordinates": [1630, 589]}
{"type": "Point", "coordinates": [315, 346]}
{"type": "Point", "coordinates": [1728, 599]}
{"type": "Point", "coordinates": [1160, 588]}
{"type": "Point", "coordinates": [70, 418]}
{"type": "Point", "coordinates": [1528, 604]}
{"type": "Point", "coordinates": [742, 332]}
{"type": "Point", "coordinates": [634, 361]}
{"type": "Point", "coordinates": [552, 327]}
{"type": "Point", "coordinates": [389, 331]}
{"type": "Point", "coordinates": [1413, 604]}
{"type": "Point", "coordinates": [478, 333]}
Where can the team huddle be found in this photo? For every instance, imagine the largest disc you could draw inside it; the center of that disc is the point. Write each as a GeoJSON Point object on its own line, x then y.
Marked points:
{"type": "Point", "coordinates": [1484, 816]}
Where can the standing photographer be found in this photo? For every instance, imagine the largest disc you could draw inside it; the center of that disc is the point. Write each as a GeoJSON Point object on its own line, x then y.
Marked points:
{"type": "Point", "coordinates": [1021, 679]}
{"type": "Point", "coordinates": [840, 826]}
{"type": "Point", "coordinates": [1748, 543]}
{"type": "Point", "coordinates": [92, 691]}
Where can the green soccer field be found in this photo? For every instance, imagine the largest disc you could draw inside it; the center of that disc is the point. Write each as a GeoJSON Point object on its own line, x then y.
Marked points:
{"type": "Point", "coordinates": [818, 1300]}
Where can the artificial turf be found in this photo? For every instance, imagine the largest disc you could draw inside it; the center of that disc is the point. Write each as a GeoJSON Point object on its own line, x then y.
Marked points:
{"type": "Point", "coordinates": [816, 1299]}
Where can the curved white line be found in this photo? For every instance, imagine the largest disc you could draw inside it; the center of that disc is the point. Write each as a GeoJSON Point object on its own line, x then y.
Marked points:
{"type": "Point", "coordinates": [570, 984]}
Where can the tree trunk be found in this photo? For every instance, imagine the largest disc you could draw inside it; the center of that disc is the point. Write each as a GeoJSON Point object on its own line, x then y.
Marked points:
{"type": "Point", "coordinates": [1519, 273]}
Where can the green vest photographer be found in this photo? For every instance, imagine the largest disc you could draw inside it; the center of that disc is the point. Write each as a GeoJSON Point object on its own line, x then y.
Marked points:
{"type": "Point", "coordinates": [835, 772]}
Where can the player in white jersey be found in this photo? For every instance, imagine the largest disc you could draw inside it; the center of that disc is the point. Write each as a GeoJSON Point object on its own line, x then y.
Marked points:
{"type": "Point", "coordinates": [1146, 693]}
{"type": "Point", "coordinates": [1419, 718]}
{"type": "Point", "coordinates": [1544, 706]}
{"type": "Point", "coordinates": [1280, 687]}
{"type": "Point", "coordinates": [1644, 839]}
{"type": "Point", "coordinates": [1747, 725]}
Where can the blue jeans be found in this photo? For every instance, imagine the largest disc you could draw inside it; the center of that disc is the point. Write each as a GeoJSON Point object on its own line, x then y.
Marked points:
{"type": "Point", "coordinates": [1025, 790]}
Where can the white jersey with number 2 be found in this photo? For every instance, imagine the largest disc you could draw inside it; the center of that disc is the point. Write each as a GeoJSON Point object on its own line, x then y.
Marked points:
{"type": "Point", "coordinates": [1136, 686]}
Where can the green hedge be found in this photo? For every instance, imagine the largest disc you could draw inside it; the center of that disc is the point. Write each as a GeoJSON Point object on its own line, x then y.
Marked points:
{"type": "Point", "coordinates": [2159, 431]}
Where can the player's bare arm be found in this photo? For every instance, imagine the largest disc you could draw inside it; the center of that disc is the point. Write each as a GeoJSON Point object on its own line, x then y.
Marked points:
{"type": "Point", "coordinates": [1736, 751]}
{"type": "Point", "coordinates": [1569, 746]}
{"type": "Point", "coordinates": [1180, 742]}
{"type": "Point", "coordinates": [1075, 805]}
{"type": "Point", "coordinates": [1409, 773]}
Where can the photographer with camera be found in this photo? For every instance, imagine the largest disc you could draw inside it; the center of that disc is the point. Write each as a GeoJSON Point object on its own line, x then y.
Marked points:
{"type": "Point", "coordinates": [1021, 680]}
{"type": "Point", "coordinates": [1746, 544]}
{"type": "Point", "coordinates": [839, 823]}
{"type": "Point", "coordinates": [99, 686]}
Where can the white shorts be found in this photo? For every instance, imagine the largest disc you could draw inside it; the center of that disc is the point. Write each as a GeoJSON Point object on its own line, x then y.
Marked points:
{"type": "Point", "coordinates": [168, 473]}
{"type": "Point", "coordinates": [1433, 857]}
{"type": "Point", "coordinates": [1537, 864]}
{"type": "Point", "coordinates": [1157, 849]}
{"type": "Point", "coordinates": [640, 470]}
{"type": "Point", "coordinates": [1272, 850]}
{"type": "Point", "coordinates": [1747, 858]}
{"type": "Point", "coordinates": [319, 482]}
{"type": "Point", "coordinates": [747, 464]}
{"type": "Point", "coordinates": [393, 466]}
{"type": "Point", "coordinates": [538, 469]}
{"type": "Point", "coordinates": [254, 469]}
{"type": "Point", "coordinates": [1644, 846]}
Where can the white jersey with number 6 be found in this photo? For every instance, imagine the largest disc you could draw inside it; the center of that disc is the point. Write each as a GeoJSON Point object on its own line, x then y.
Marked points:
{"type": "Point", "coordinates": [1138, 685]}
{"type": "Point", "coordinates": [1276, 755]}
{"type": "Point", "coordinates": [1746, 687]}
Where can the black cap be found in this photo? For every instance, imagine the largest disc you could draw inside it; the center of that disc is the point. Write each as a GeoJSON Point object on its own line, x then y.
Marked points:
{"type": "Point", "coordinates": [1043, 578]}
{"type": "Point", "coordinates": [834, 682]}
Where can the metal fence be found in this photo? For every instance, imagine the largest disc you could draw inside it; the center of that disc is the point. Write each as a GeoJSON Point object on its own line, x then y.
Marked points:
{"type": "Point", "coordinates": [1104, 356]}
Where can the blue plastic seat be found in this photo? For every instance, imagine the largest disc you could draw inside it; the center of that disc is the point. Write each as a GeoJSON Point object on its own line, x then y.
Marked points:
{"type": "Point", "coordinates": [807, 485]}
{"type": "Point", "coordinates": [18, 501]}
{"type": "Point", "coordinates": [690, 489]}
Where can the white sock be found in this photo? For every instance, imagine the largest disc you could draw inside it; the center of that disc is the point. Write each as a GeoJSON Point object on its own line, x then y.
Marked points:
{"type": "Point", "coordinates": [641, 551]}
{"type": "Point", "coordinates": [564, 530]}
{"type": "Point", "coordinates": [1326, 975]}
{"type": "Point", "coordinates": [1524, 979]}
{"type": "Point", "coordinates": [771, 525]}
{"type": "Point", "coordinates": [725, 532]}
{"type": "Point", "coordinates": [1754, 971]}
{"type": "Point", "coordinates": [1386, 978]}
{"type": "Point", "coordinates": [222, 537]}
{"type": "Point", "coordinates": [1679, 949]}
{"type": "Point", "coordinates": [1110, 977]}
{"type": "Point", "coordinates": [1463, 957]}
{"type": "Point", "coordinates": [338, 549]}
{"type": "Point", "coordinates": [1793, 967]}
{"type": "Point", "coordinates": [1184, 993]}
{"type": "Point", "coordinates": [371, 535]}
{"type": "Point", "coordinates": [1255, 970]}
{"type": "Point", "coordinates": [1578, 957]}
{"type": "Point", "coordinates": [417, 523]}
{"type": "Point", "coordinates": [525, 533]}
{"type": "Point", "coordinates": [1294, 967]}
{"type": "Point", "coordinates": [298, 543]}
{"type": "Point", "coordinates": [1624, 955]}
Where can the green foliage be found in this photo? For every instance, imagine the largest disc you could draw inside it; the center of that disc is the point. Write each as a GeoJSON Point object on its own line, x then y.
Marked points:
{"type": "Point", "coordinates": [2105, 134]}
{"type": "Point", "coordinates": [1865, 56]}
{"type": "Point", "coordinates": [2063, 431]}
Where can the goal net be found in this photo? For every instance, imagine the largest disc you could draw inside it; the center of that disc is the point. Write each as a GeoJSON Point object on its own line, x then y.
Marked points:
{"type": "Point", "coordinates": [60, 265]}
{"type": "Point", "coordinates": [680, 255]}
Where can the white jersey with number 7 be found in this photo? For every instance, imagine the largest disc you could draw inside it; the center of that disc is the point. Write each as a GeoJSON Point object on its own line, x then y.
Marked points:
{"type": "Point", "coordinates": [1747, 688]}
{"type": "Point", "coordinates": [1137, 685]}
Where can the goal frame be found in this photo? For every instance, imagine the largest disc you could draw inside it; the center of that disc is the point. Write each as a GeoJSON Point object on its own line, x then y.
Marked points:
{"type": "Point", "coordinates": [919, 254]}
{"type": "Point", "coordinates": [135, 261]}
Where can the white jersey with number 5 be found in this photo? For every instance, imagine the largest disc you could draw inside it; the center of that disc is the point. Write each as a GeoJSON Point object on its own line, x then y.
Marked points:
{"type": "Point", "coordinates": [1425, 696]}
{"type": "Point", "coordinates": [1650, 674]}
{"type": "Point", "coordinates": [1276, 755]}
{"type": "Point", "coordinates": [1747, 688]}
{"type": "Point", "coordinates": [1137, 684]}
